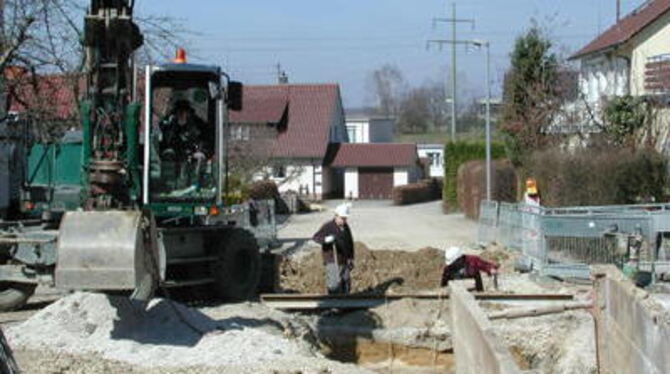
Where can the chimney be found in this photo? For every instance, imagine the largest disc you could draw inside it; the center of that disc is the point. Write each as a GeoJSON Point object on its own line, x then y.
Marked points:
{"type": "Point", "coordinates": [283, 78]}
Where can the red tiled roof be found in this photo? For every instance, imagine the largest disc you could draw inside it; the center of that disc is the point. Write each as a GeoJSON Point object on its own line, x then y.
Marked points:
{"type": "Point", "coordinates": [311, 112]}
{"type": "Point", "coordinates": [375, 155]}
{"type": "Point", "coordinates": [262, 105]}
{"type": "Point", "coordinates": [52, 96]}
{"type": "Point", "coordinates": [627, 27]}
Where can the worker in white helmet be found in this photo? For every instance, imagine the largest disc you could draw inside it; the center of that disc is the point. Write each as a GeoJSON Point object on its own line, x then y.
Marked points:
{"type": "Point", "coordinates": [337, 246]}
{"type": "Point", "coordinates": [458, 265]}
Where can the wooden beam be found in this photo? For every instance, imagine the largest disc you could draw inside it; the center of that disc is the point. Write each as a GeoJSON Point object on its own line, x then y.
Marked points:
{"type": "Point", "coordinates": [362, 301]}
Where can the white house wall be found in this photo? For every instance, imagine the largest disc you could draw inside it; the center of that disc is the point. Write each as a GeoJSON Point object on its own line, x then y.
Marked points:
{"type": "Point", "coordinates": [305, 178]}
{"type": "Point", "coordinates": [603, 76]}
{"type": "Point", "coordinates": [359, 131]}
{"type": "Point", "coordinates": [351, 183]}
{"type": "Point", "coordinates": [400, 176]}
{"type": "Point", "coordinates": [435, 170]}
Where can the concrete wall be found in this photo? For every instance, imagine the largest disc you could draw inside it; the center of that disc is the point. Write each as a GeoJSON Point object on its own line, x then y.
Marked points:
{"type": "Point", "coordinates": [351, 183]}
{"type": "Point", "coordinates": [400, 176]}
{"type": "Point", "coordinates": [633, 330]}
{"type": "Point", "coordinates": [477, 348]}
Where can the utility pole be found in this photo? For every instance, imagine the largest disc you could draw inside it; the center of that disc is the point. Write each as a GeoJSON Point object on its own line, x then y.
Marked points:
{"type": "Point", "coordinates": [454, 21]}
{"type": "Point", "coordinates": [618, 10]}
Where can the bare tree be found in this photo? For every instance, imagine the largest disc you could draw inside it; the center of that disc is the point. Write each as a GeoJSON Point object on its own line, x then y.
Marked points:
{"type": "Point", "coordinates": [42, 42]}
{"type": "Point", "coordinates": [388, 86]}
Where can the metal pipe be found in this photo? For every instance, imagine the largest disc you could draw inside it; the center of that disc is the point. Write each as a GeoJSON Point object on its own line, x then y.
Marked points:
{"type": "Point", "coordinates": [488, 121]}
{"type": "Point", "coordinates": [147, 135]}
{"type": "Point", "coordinates": [453, 75]}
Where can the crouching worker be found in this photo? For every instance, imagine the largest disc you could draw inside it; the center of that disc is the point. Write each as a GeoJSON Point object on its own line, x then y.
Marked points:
{"type": "Point", "coordinates": [462, 266]}
{"type": "Point", "coordinates": [337, 246]}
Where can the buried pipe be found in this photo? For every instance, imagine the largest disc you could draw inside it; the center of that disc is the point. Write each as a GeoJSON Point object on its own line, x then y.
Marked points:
{"type": "Point", "coordinates": [539, 311]}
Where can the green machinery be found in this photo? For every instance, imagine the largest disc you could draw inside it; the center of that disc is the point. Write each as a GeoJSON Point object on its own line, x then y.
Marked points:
{"type": "Point", "coordinates": [143, 220]}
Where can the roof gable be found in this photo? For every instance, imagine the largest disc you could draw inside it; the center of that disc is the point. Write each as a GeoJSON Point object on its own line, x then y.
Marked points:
{"type": "Point", "coordinates": [375, 155]}
{"type": "Point", "coordinates": [626, 28]}
{"type": "Point", "coordinates": [311, 112]}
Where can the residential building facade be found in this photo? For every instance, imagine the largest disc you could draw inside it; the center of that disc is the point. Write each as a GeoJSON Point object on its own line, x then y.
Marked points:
{"type": "Point", "coordinates": [434, 155]}
{"type": "Point", "coordinates": [370, 129]}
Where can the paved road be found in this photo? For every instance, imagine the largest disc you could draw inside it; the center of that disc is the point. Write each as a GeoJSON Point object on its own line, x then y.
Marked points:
{"type": "Point", "coordinates": [381, 225]}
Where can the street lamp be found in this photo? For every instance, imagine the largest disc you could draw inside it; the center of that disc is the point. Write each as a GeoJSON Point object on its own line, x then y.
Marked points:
{"type": "Point", "coordinates": [485, 44]}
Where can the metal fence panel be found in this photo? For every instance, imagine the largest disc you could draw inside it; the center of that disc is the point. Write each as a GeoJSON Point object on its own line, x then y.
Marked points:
{"type": "Point", "coordinates": [488, 222]}
{"type": "Point", "coordinates": [566, 240]}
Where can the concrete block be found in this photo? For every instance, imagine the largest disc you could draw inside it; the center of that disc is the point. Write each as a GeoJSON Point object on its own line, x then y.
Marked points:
{"type": "Point", "coordinates": [477, 348]}
{"type": "Point", "coordinates": [633, 329]}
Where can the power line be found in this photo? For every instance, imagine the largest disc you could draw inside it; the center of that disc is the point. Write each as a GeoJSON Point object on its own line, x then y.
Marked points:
{"type": "Point", "coordinates": [453, 21]}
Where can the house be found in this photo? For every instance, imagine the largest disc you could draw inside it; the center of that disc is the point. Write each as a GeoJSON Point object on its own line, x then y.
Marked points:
{"type": "Point", "coordinates": [306, 119]}
{"type": "Point", "coordinates": [372, 170]}
{"type": "Point", "coordinates": [631, 57]}
{"type": "Point", "coordinates": [434, 155]}
{"type": "Point", "coordinates": [370, 129]}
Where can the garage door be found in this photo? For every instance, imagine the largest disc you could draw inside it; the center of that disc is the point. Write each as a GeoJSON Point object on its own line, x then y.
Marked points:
{"type": "Point", "coordinates": [375, 183]}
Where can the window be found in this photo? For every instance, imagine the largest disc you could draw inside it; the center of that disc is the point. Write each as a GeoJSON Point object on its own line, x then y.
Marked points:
{"type": "Point", "coordinates": [435, 159]}
{"type": "Point", "coordinates": [240, 133]}
{"type": "Point", "coordinates": [279, 171]}
{"type": "Point", "coordinates": [351, 132]}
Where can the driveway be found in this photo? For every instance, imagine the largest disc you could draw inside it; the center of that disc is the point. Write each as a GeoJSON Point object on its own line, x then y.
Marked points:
{"type": "Point", "coordinates": [381, 225]}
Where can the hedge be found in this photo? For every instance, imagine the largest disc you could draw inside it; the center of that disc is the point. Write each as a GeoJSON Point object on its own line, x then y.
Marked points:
{"type": "Point", "coordinates": [598, 176]}
{"type": "Point", "coordinates": [456, 154]}
{"type": "Point", "coordinates": [472, 185]}
{"type": "Point", "coordinates": [425, 190]}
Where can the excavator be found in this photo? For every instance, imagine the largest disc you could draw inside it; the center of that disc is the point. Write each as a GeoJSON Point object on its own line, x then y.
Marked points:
{"type": "Point", "coordinates": [148, 221]}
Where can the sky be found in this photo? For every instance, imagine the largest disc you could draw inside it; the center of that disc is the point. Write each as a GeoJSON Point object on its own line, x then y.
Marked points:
{"type": "Point", "coordinates": [343, 41]}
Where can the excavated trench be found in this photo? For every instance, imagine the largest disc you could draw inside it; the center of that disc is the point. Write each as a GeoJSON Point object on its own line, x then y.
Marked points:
{"type": "Point", "coordinates": [407, 335]}
{"type": "Point", "coordinates": [404, 336]}
{"type": "Point", "coordinates": [350, 346]}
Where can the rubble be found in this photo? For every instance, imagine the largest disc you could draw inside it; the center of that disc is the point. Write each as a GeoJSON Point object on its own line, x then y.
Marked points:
{"type": "Point", "coordinates": [172, 335]}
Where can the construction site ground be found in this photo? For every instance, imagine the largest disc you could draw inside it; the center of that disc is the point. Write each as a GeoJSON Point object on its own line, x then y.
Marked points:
{"type": "Point", "coordinates": [95, 333]}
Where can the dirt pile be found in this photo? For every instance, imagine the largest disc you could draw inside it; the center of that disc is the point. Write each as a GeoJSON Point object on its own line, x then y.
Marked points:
{"type": "Point", "coordinates": [374, 271]}
{"type": "Point", "coordinates": [169, 334]}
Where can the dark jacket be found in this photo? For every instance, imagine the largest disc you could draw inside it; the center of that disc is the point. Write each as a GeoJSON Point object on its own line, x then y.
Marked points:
{"type": "Point", "coordinates": [466, 267]}
{"type": "Point", "coordinates": [344, 242]}
{"type": "Point", "coordinates": [187, 139]}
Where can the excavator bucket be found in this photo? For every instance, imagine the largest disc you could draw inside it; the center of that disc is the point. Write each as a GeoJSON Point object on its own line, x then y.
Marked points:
{"type": "Point", "coordinates": [105, 251]}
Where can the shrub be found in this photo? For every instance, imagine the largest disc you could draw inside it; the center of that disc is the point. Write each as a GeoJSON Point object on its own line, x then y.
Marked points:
{"type": "Point", "coordinates": [456, 154]}
{"type": "Point", "coordinates": [268, 190]}
{"type": "Point", "coordinates": [425, 190]}
{"type": "Point", "coordinates": [263, 190]}
{"type": "Point", "coordinates": [598, 176]}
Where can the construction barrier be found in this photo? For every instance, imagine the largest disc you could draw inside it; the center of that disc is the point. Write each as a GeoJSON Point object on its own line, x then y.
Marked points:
{"type": "Point", "coordinates": [565, 241]}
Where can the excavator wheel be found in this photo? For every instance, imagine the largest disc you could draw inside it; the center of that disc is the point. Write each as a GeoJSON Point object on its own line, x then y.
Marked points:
{"type": "Point", "coordinates": [238, 267]}
{"type": "Point", "coordinates": [14, 295]}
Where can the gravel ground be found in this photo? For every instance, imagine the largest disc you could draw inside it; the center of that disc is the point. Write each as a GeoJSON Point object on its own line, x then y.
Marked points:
{"type": "Point", "coordinates": [113, 335]}
{"type": "Point", "coordinates": [381, 225]}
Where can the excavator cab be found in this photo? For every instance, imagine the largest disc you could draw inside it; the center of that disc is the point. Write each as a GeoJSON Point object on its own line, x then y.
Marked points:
{"type": "Point", "coordinates": [184, 136]}
{"type": "Point", "coordinates": [175, 236]}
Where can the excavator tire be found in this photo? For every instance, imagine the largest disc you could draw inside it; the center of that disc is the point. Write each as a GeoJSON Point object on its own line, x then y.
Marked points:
{"type": "Point", "coordinates": [238, 267]}
{"type": "Point", "coordinates": [14, 295]}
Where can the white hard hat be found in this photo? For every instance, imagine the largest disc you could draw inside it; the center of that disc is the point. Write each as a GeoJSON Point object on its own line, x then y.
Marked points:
{"type": "Point", "coordinates": [452, 254]}
{"type": "Point", "coordinates": [342, 210]}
